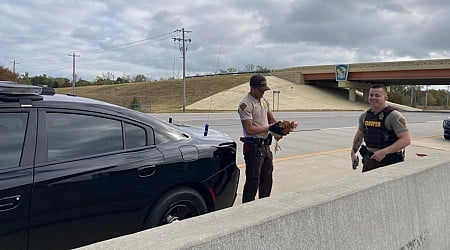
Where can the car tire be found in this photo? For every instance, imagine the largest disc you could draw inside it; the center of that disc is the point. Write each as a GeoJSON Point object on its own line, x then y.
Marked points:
{"type": "Point", "coordinates": [176, 205]}
{"type": "Point", "coordinates": [447, 137]}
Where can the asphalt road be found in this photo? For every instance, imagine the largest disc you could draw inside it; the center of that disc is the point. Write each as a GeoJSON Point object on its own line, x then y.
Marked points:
{"type": "Point", "coordinates": [319, 149]}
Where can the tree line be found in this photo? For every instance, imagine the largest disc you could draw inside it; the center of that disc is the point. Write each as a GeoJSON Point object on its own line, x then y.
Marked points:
{"type": "Point", "coordinates": [106, 78]}
{"type": "Point", "coordinates": [61, 82]}
{"type": "Point", "coordinates": [419, 96]}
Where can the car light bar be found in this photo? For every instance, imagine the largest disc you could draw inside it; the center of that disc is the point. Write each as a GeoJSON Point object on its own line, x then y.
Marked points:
{"type": "Point", "coordinates": [12, 88]}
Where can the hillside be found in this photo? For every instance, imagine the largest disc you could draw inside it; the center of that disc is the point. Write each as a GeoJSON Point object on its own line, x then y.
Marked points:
{"type": "Point", "coordinates": [160, 96]}
{"type": "Point", "coordinates": [290, 97]}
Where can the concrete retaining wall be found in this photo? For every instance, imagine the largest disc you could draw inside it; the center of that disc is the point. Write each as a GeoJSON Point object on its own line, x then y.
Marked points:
{"type": "Point", "coordinates": [405, 206]}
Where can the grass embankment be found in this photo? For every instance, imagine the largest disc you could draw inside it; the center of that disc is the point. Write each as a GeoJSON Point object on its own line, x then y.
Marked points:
{"type": "Point", "coordinates": [160, 96]}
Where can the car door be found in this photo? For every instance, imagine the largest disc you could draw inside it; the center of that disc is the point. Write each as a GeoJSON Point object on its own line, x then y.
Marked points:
{"type": "Point", "coordinates": [17, 141]}
{"type": "Point", "coordinates": [95, 178]}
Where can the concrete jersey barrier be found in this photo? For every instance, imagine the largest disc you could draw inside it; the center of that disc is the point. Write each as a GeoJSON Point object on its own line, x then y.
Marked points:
{"type": "Point", "coordinates": [404, 206]}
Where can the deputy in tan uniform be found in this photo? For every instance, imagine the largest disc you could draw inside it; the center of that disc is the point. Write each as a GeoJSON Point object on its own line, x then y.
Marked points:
{"type": "Point", "coordinates": [384, 132]}
{"type": "Point", "coordinates": [256, 119]}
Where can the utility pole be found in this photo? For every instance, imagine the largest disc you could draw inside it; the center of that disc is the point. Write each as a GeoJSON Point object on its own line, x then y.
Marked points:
{"type": "Point", "coordinates": [14, 66]}
{"type": "Point", "coordinates": [183, 52]}
{"type": "Point", "coordinates": [73, 71]}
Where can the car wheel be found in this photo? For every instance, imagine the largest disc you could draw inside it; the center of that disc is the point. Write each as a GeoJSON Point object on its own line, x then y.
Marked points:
{"type": "Point", "coordinates": [176, 205]}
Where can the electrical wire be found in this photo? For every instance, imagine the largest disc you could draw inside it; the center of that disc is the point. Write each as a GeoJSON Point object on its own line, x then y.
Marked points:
{"type": "Point", "coordinates": [132, 44]}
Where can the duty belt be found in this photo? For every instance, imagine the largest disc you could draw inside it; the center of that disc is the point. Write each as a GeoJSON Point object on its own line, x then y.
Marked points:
{"type": "Point", "coordinates": [388, 159]}
{"type": "Point", "coordinates": [257, 141]}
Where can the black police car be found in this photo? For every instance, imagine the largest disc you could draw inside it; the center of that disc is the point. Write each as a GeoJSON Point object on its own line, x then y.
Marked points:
{"type": "Point", "coordinates": [74, 171]}
{"type": "Point", "coordinates": [446, 125]}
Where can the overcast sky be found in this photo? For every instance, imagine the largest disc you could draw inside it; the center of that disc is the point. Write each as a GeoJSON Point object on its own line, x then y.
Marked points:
{"type": "Point", "coordinates": [127, 38]}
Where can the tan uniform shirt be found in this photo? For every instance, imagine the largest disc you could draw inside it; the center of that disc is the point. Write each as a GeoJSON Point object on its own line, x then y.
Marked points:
{"type": "Point", "coordinates": [256, 110]}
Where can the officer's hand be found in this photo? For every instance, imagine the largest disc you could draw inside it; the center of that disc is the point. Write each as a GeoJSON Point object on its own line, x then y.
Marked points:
{"type": "Point", "coordinates": [355, 161]}
{"type": "Point", "coordinates": [378, 155]}
{"type": "Point", "coordinates": [277, 129]}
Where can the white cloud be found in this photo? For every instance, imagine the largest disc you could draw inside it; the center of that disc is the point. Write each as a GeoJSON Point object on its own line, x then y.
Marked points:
{"type": "Point", "coordinates": [129, 39]}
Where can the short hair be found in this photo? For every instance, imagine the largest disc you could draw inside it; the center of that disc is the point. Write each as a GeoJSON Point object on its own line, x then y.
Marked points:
{"type": "Point", "coordinates": [379, 86]}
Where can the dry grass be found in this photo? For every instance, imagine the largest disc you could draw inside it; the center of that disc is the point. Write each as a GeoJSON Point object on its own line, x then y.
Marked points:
{"type": "Point", "coordinates": [161, 96]}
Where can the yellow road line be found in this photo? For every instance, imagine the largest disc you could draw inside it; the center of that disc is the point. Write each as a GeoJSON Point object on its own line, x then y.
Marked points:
{"type": "Point", "coordinates": [294, 157]}
{"type": "Point", "coordinates": [426, 137]}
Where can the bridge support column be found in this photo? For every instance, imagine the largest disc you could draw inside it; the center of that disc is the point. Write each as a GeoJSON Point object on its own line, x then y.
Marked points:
{"type": "Point", "coordinates": [366, 95]}
{"type": "Point", "coordinates": [352, 94]}
{"type": "Point", "coordinates": [352, 86]}
{"type": "Point", "coordinates": [299, 78]}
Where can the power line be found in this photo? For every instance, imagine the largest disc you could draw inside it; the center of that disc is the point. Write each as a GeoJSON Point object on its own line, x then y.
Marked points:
{"type": "Point", "coordinates": [111, 48]}
{"type": "Point", "coordinates": [129, 44]}
{"type": "Point", "coordinates": [58, 60]}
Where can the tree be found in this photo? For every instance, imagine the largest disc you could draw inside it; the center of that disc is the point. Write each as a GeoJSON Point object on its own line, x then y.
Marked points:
{"type": "Point", "coordinates": [140, 78]}
{"type": "Point", "coordinates": [249, 67]}
{"type": "Point", "coordinates": [261, 69]}
{"type": "Point", "coordinates": [40, 80]}
{"type": "Point", "coordinates": [7, 75]}
{"type": "Point", "coordinates": [120, 80]}
{"type": "Point", "coordinates": [108, 76]}
{"type": "Point", "coordinates": [82, 82]}
{"type": "Point", "coordinates": [25, 78]}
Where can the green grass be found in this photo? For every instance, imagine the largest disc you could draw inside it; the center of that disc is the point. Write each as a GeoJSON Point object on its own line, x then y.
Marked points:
{"type": "Point", "coordinates": [160, 96]}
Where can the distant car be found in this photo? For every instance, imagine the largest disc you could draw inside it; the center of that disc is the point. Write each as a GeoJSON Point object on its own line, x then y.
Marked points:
{"type": "Point", "coordinates": [446, 125]}
{"type": "Point", "coordinates": [74, 171]}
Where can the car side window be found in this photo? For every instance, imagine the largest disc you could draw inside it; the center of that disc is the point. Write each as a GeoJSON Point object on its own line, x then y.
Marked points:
{"type": "Point", "coordinates": [134, 136]}
{"type": "Point", "coordinates": [12, 138]}
{"type": "Point", "coordinates": [77, 135]}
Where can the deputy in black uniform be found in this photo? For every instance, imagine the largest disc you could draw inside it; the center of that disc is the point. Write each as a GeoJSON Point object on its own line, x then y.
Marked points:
{"type": "Point", "coordinates": [384, 132]}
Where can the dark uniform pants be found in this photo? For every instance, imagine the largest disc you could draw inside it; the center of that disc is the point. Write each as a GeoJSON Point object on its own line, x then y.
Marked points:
{"type": "Point", "coordinates": [370, 164]}
{"type": "Point", "coordinates": [258, 171]}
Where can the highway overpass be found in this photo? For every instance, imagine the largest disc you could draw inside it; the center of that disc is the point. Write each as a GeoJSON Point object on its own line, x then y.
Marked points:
{"type": "Point", "coordinates": [362, 75]}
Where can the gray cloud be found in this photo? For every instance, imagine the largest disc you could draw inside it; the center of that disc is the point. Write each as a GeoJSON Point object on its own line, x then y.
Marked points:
{"type": "Point", "coordinates": [125, 39]}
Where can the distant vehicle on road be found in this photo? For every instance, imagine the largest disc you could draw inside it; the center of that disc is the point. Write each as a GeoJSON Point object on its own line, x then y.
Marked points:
{"type": "Point", "coordinates": [446, 125]}
{"type": "Point", "coordinates": [74, 171]}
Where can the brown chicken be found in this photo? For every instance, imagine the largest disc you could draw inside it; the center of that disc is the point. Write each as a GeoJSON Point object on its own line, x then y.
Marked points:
{"type": "Point", "coordinates": [287, 126]}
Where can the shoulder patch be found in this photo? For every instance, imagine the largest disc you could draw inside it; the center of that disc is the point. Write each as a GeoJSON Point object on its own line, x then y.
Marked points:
{"type": "Point", "coordinates": [243, 106]}
{"type": "Point", "coordinates": [402, 121]}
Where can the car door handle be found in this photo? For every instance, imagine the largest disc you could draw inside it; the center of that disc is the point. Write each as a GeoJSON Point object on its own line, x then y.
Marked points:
{"type": "Point", "coordinates": [9, 203]}
{"type": "Point", "coordinates": [147, 171]}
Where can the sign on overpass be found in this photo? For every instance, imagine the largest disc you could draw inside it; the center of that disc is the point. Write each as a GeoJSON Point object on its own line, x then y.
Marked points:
{"type": "Point", "coordinates": [341, 72]}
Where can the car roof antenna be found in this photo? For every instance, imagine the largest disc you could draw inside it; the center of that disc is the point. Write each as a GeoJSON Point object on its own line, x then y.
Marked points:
{"type": "Point", "coordinates": [205, 131]}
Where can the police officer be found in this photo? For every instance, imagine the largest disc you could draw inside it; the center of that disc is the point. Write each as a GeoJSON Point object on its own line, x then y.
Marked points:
{"type": "Point", "coordinates": [256, 118]}
{"type": "Point", "coordinates": [383, 130]}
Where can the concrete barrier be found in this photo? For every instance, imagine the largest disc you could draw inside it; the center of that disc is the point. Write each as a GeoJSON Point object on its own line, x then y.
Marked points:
{"type": "Point", "coordinates": [404, 206]}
